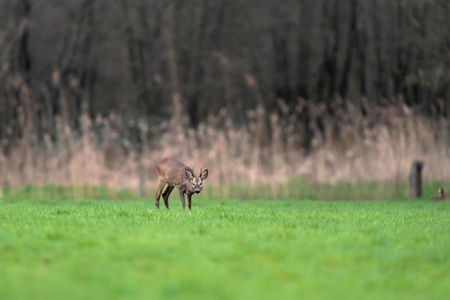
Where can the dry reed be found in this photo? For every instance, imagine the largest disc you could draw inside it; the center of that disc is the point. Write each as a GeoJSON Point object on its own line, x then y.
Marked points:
{"type": "Point", "coordinates": [346, 146]}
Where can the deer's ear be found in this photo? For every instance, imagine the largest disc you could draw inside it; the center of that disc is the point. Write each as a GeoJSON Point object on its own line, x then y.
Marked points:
{"type": "Point", "coordinates": [189, 174]}
{"type": "Point", "coordinates": [204, 174]}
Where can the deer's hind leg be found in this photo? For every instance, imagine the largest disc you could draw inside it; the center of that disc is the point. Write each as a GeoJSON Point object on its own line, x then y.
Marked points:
{"type": "Point", "coordinates": [161, 184]}
{"type": "Point", "coordinates": [166, 195]}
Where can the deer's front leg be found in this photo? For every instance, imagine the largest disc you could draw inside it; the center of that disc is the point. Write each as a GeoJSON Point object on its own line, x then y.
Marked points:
{"type": "Point", "coordinates": [183, 202]}
{"type": "Point", "coordinates": [189, 201]}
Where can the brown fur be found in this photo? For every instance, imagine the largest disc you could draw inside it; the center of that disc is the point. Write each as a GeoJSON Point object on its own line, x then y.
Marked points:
{"type": "Point", "coordinates": [173, 173]}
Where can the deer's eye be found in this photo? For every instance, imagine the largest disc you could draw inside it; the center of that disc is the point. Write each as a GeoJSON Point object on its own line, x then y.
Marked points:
{"type": "Point", "coordinates": [193, 184]}
{"type": "Point", "coordinates": [200, 183]}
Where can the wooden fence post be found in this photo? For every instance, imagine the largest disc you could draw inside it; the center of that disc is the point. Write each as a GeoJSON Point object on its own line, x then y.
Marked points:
{"type": "Point", "coordinates": [415, 179]}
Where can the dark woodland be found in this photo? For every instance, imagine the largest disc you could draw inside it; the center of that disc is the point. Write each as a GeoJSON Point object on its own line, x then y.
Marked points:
{"type": "Point", "coordinates": [149, 66]}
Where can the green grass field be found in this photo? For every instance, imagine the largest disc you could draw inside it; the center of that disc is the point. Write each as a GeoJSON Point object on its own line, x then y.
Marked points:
{"type": "Point", "coordinates": [98, 249]}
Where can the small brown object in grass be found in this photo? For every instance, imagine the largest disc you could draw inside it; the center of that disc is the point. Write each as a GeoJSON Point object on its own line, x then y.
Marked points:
{"type": "Point", "coordinates": [441, 196]}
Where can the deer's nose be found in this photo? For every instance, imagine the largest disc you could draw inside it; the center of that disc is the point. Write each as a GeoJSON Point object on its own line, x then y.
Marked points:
{"type": "Point", "coordinates": [197, 192]}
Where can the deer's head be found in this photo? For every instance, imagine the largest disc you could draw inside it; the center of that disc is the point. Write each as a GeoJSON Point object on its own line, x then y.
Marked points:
{"type": "Point", "coordinates": [196, 183]}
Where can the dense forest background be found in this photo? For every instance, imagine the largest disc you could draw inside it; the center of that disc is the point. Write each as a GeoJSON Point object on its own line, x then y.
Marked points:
{"type": "Point", "coordinates": [278, 85]}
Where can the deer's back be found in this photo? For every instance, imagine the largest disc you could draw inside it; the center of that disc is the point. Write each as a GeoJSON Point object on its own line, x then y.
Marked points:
{"type": "Point", "coordinates": [172, 170]}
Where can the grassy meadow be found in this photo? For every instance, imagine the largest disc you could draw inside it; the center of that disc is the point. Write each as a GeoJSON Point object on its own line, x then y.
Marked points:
{"type": "Point", "coordinates": [224, 249]}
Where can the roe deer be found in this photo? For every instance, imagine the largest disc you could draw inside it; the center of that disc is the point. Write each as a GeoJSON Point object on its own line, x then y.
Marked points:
{"type": "Point", "coordinates": [441, 196]}
{"type": "Point", "coordinates": [173, 173]}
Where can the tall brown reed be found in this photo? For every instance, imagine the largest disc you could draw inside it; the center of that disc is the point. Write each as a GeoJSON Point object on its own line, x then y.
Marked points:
{"type": "Point", "coordinates": [347, 145]}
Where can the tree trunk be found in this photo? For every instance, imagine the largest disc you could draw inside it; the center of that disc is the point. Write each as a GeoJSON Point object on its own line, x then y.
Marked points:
{"type": "Point", "coordinates": [179, 117]}
{"type": "Point", "coordinates": [352, 35]}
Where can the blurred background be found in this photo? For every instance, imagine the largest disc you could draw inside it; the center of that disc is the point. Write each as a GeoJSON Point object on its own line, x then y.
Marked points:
{"type": "Point", "coordinates": [279, 95]}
